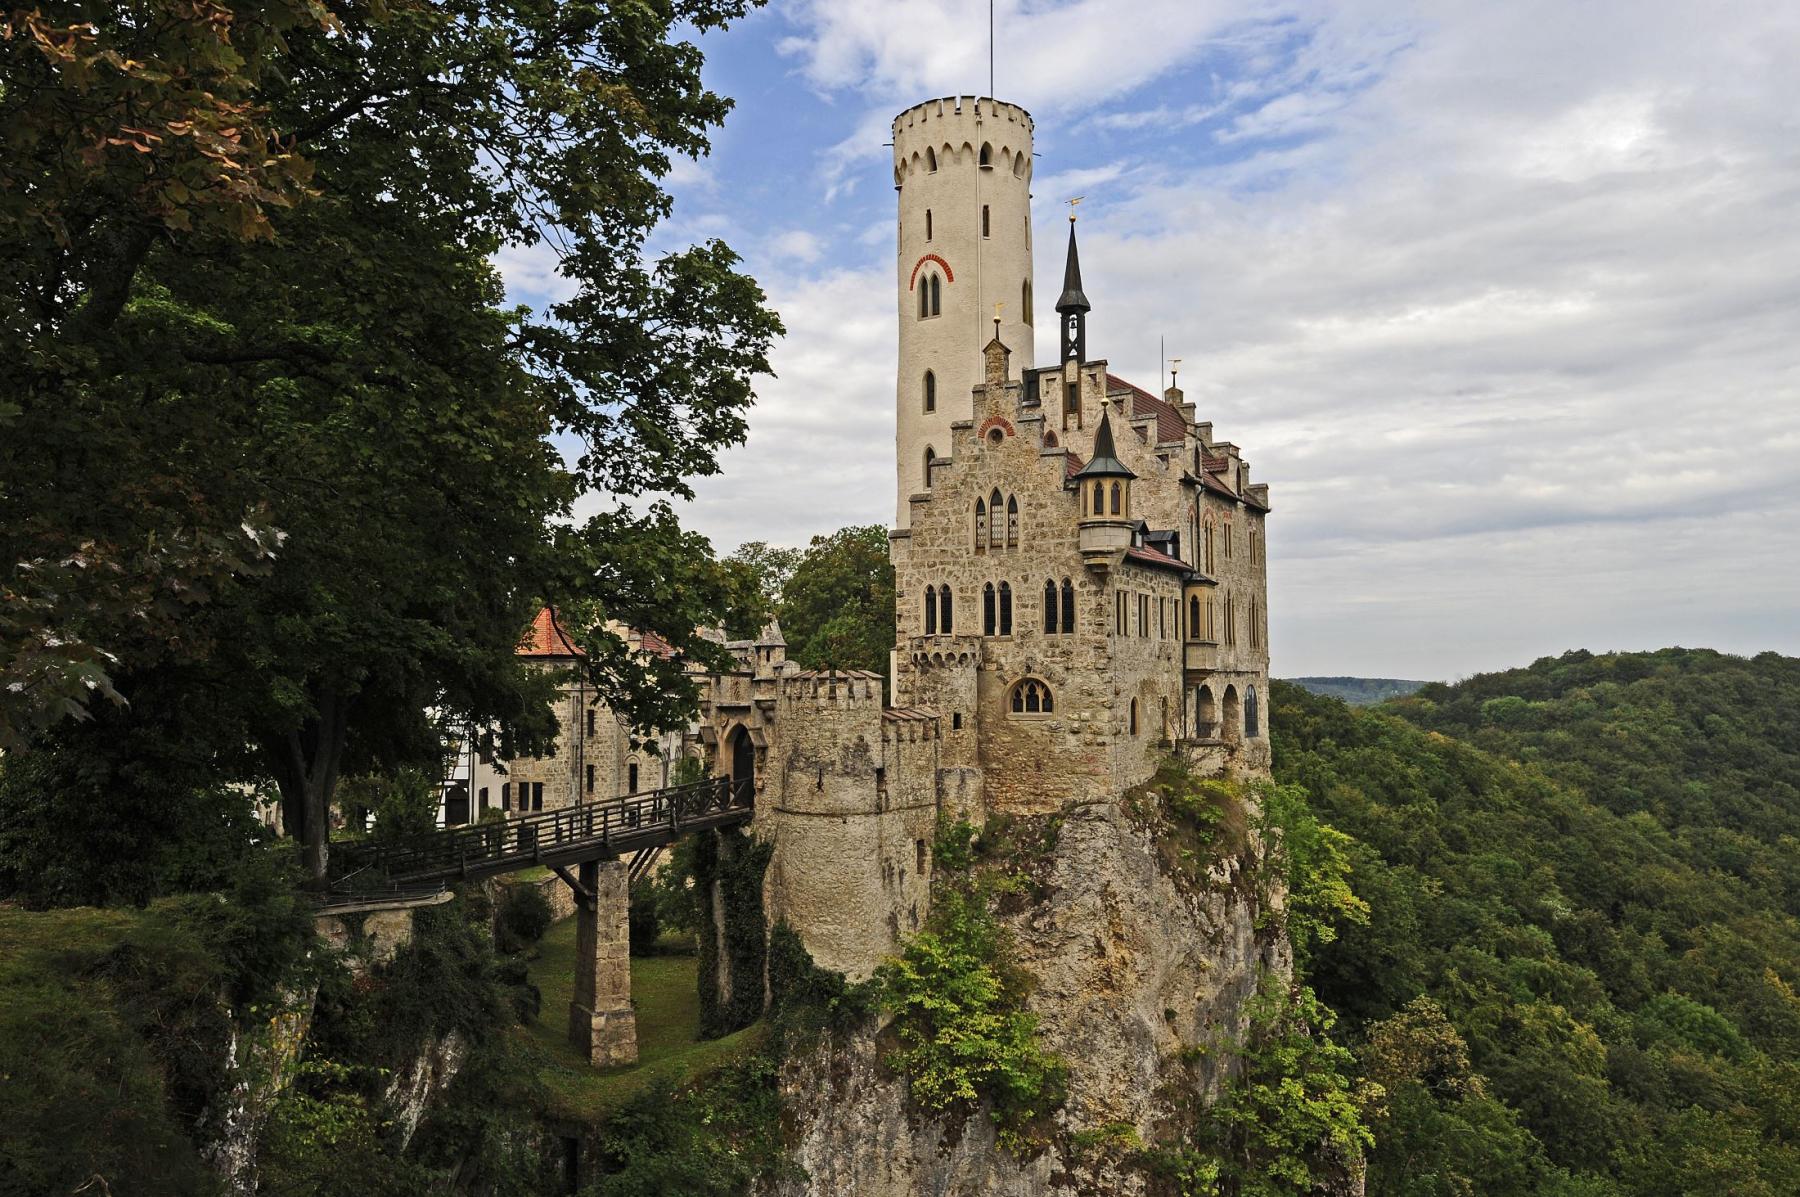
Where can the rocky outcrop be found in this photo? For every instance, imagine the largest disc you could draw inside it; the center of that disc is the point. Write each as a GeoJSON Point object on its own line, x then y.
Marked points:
{"type": "Point", "coordinates": [259, 1061]}
{"type": "Point", "coordinates": [1142, 974]}
{"type": "Point", "coordinates": [412, 1090]}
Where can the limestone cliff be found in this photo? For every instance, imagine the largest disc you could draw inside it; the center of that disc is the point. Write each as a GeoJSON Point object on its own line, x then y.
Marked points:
{"type": "Point", "coordinates": [1139, 956]}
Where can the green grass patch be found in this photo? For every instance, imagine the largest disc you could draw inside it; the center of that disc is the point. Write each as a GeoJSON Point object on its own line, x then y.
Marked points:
{"type": "Point", "coordinates": [665, 991]}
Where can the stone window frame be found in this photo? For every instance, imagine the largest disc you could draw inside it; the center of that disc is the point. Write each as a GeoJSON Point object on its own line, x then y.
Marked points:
{"type": "Point", "coordinates": [1028, 689]}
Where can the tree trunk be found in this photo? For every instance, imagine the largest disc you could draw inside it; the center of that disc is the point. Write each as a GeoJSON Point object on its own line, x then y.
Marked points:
{"type": "Point", "coordinates": [305, 761]}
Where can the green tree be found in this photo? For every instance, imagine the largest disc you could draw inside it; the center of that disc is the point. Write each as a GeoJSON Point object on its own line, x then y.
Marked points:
{"type": "Point", "coordinates": [837, 607]}
{"type": "Point", "coordinates": [324, 369]}
{"type": "Point", "coordinates": [759, 572]}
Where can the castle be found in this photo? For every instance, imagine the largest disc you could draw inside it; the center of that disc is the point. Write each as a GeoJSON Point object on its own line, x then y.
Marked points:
{"type": "Point", "coordinates": [1081, 581]}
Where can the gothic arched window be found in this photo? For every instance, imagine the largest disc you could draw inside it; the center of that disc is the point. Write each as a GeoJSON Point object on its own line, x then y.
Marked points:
{"type": "Point", "coordinates": [1250, 716]}
{"type": "Point", "coordinates": [1117, 490]}
{"type": "Point", "coordinates": [1134, 718]}
{"type": "Point", "coordinates": [930, 456]}
{"type": "Point", "coordinates": [1012, 521]}
{"type": "Point", "coordinates": [997, 523]}
{"type": "Point", "coordinates": [930, 391]}
{"type": "Point", "coordinates": [925, 297]}
{"type": "Point", "coordinates": [1193, 617]}
{"type": "Point", "coordinates": [1210, 567]}
{"type": "Point", "coordinates": [981, 527]}
{"type": "Point", "coordinates": [987, 154]}
{"type": "Point", "coordinates": [1099, 498]}
{"type": "Point", "coordinates": [1049, 607]}
{"type": "Point", "coordinates": [1068, 607]}
{"type": "Point", "coordinates": [945, 611]}
{"type": "Point", "coordinates": [931, 602]}
{"type": "Point", "coordinates": [930, 159]}
{"type": "Point", "coordinates": [1031, 697]}
{"type": "Point", "coordinates": [987, 610]}
{"type": "Point", "coordinates": [936, 295]}
{"type": "Point", "coordinates": [1005, 609]}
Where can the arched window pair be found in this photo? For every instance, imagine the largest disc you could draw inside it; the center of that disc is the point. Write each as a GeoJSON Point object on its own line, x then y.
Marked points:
{"type": "Point", "coordinates": [997, 522]}
{"type": "Point", "coordinates": [1101, 495]}
{"type": "Point", "coordinates": [996, 609]}
{"type": "Point", "coordinates": [931, 296]}
{"type": "Point", "coordinates": [1059, 616]}
{"type": "Point", "coordinates": [1032, 697]}
{"type": "Point", "coordinates": [939, 610]}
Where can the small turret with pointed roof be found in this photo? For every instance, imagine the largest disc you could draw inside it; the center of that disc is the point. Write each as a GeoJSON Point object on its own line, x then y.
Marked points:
{"type": "Point", "coordinates": [1105, 462]}
{"type": "Point", "coordinates": [1072, 307]}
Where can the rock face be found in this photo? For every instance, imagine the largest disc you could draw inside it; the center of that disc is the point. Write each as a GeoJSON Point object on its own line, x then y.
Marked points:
{"type": "Point", "coordinates": [1135, 964]}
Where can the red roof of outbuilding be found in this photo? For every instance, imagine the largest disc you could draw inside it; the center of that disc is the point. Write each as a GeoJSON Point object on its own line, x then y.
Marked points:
{"type": "Point", "coordinates": [547, 639]}
{"type": "Point", "coordinates": [1157, 558]}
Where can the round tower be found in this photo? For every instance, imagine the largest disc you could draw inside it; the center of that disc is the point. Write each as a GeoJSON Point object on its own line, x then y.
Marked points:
{"type": "Point", "coordinates": [962, 168]}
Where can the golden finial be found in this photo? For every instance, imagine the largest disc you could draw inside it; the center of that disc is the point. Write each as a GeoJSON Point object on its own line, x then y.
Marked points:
{"type": "Point", "coordinates": [1072, 204]}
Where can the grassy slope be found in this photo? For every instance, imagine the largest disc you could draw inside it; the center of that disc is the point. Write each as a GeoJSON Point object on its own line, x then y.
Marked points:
{"type": "Point", "coordinates": [666, 995]}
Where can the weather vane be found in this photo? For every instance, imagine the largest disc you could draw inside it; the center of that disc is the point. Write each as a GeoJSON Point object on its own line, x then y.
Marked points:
{"type": "Point", "coordinates": [1072, 204]}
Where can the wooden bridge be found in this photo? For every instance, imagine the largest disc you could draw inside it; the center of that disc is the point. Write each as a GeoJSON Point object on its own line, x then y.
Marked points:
{"type": "Point", "coordinates": [592, 837]}
{"type": "Point", "coordinates": [638, 825]}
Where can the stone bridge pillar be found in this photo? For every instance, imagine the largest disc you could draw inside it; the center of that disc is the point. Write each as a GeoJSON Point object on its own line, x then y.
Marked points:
{"type": "Point", "coordinates": [601, 1023]}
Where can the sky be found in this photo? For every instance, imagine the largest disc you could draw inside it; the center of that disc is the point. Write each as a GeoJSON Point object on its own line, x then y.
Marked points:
{"type": "Point", "coordinates": [1501, 300]}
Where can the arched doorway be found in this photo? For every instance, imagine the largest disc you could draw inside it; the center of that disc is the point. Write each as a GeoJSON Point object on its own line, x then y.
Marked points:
{"type": "Point", "coordinates": [742, 768]}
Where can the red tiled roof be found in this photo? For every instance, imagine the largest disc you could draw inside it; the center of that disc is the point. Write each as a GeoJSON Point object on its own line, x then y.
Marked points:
{"type": "Point", "coordinates": [1169, 424]}
{"type": "Point", "coordinates": [1214, 462]}
{"type": "Point", "coordinates": [1213, 484]}
{"type": "Point", "coordinates": [547, 639]}
{"type": "Point", "coordinates": [1159, 559]}
{"type": "Point", "coordinates": [657, 645]}
{"type": "Point", "coordinates": [1071, 464]}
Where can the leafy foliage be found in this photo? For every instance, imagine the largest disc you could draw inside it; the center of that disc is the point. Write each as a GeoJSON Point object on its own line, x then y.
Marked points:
{"type": "Point", "coordinates": [270, 429]}
{"type": "Point", "coordinates": [958, 1002]}
{"type": "Point", "coordinates": [1587, 869]}
{"type": "Point", "coordinates": [837, 606]}
{"type": "Point", "coordinates": [1290, 1108]}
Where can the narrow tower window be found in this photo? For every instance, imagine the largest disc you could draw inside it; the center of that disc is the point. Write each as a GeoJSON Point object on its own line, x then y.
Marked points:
{"type": "Point", "coordinates": [928, 224]}
{"type": "Point", "coordinates": [1012, 521]}
{"type": "Point", "coordinates": [980, 524]}
{"type": "Point", "coordinates": [987, 610]}
{"type": "Point", "coordinates": [1068, 607]}
{"type": "Point", "coordinates": [1115, 498]}
{"type": "Point", "coordinates": [1025, 299]}
{"type": "Point", "coordinates": [987, 155]}
{"type": "Point", "coordinates": [929, 458]}
{"type": "Point", "coordinates": [1005, 609]}
{"type": "Point", "coordinates": [936, 295]}
{"type": "Point", "coordinates": [945, 611]}
{"type": "Point", "coordinates": [925, 298]}
{"type": "Point", "coordinates": [931, 160]}
{"type": "Point", "coordinates": [997, 528]}
{"type": "Point", "coordinates": [930, 392]}
{"type": "Point", "coordinates": [931, 610]}
{"type": "Point", "coordinates": [985, 225]}
{"type": "Point", "coordinates": [1049, 608]}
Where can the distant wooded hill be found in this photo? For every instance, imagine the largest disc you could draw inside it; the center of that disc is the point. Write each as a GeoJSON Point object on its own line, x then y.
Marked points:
{"type": "Point", "coordinates": [1359, 691]}
{"type": "Point", "coordinates": [1580, 975]}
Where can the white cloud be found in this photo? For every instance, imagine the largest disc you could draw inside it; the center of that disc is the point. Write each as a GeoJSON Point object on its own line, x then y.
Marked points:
{"type": "Point", "coordinates": [1501, 299]}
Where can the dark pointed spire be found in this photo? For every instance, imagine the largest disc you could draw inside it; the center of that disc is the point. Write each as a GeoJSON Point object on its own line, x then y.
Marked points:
{"type": "Point", "coordinates": [1105, 462]}
{"type": "Point", "coordinates": [1073, 299]}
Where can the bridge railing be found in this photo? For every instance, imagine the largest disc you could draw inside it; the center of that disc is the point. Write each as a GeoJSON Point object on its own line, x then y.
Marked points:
{"type": "Point", "coordinates": [528, 838]}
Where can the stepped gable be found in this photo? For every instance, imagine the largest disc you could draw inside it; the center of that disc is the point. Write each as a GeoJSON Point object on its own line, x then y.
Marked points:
{"type": "Point", "coordinates": [1169, 424]}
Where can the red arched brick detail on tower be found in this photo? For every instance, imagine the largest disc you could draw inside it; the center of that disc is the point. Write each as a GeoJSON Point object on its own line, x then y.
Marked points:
{"type": "Point", "coordinates": [948, 276]}
{"type": "Point", "coordinates": [994, 422]}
